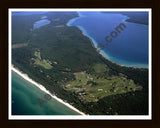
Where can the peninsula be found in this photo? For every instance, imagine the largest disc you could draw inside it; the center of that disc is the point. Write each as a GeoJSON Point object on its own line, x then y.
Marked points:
{"type": "Point", "coordinates": [64, 61]}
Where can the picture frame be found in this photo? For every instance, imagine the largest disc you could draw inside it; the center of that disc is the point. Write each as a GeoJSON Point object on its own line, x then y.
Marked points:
{"type": "Point", "coordinates": [154, 5]}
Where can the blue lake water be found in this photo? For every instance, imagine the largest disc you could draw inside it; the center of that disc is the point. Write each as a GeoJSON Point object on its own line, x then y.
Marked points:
{"type": "Point", "coordinates": [41, 23]}
{"type": "Point", "coordinates": [25, 95]}
{"type": "Point", "coordinates": [129, 48]}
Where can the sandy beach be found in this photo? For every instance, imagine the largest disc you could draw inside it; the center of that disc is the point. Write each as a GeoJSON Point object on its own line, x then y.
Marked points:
{"type": "Point", "coordinates": [41, 87]}
{"type": "Point", "coordinates": [105, 55]}
{"type": "Point", "coordinates": [101, 52]}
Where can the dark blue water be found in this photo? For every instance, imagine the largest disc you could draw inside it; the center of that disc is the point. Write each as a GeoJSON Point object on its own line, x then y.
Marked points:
{"type": "Point", "coordinates": [129, 48]}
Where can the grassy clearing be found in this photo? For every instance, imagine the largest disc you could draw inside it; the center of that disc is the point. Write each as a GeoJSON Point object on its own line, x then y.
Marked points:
{"type": "Point", "coordinates": [19, 45]}
{"type": "Point", "coordinates": [37, 54]}
{"type": "Point", "coordinates": [44, 63]}
{"type": "Point", "coordinates": [100, 68]}
{"type": "Point", "coordinates": [92, 89]}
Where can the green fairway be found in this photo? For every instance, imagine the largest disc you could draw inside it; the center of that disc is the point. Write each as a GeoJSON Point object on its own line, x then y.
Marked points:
{"type": "Point", "coordinates": [44, 63]}
{"type": "Point", "coordinates": [37, 54]}
{"type": "Point", "coordinates": [66, 63]}
{"type": "Point", "coordinates": [92, 89]}
{"type": "Point", "coordinates": [100, 68]}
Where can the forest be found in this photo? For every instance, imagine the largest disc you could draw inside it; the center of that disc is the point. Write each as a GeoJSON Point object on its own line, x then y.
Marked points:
{"type": "Point", "coordinates": [53, 55]}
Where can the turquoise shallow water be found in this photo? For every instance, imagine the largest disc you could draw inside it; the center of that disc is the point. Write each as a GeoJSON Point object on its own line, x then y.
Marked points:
{"type": "Point", "coordinates": [129, 48]}
{"type": "Point", "coordinates": [24, 100]}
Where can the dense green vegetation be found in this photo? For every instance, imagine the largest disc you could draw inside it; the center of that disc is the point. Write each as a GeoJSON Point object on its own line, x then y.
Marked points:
{"type": "Point", "coordinates": [59, 56]}
{"type": "Point", "coordinates": [135, 17]}
{"type": "Point", "coordinates": [92, 88]}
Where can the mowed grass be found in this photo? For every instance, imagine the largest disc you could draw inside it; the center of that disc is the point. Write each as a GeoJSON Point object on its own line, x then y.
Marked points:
{"type": "Point", "coordinates": [103, 87]}
{"type": "Point", "coordinates": [37, 54]}
{"type": "Point", "coordinates": [40, 62]}
{"type": "Point", "coordinates": [100, 68]}
{"type": "Point", "coordinates": [80, 81]}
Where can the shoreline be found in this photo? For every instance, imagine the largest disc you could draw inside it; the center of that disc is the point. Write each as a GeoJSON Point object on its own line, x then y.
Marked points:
{"type": "Point", "coordinates": [42, 88]}
{"type": "Point", "coordinates": [105, 56]}
{"type": "Point", "coordinates": [101, 52]}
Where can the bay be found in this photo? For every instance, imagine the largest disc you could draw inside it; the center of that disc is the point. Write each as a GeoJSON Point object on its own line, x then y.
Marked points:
{"type": "Point", "coordinates": [129, 48]}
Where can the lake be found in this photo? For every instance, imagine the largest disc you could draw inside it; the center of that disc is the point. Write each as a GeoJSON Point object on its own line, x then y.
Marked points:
{"type": "Point", "coordinates": [129, 48]}
{"type": "Point", "coordinates": [25, 100]}
{"type": "Point", "coordinates": [25, 95]}
{"type": "Point", "coordinates": [41, 23]}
